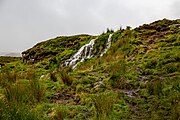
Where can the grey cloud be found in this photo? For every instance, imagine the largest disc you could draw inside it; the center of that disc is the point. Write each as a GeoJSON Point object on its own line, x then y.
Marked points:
{"type": "Point", "coordinates": [26, 22]}
{"type": "Point", "coordinates": [176, 9]}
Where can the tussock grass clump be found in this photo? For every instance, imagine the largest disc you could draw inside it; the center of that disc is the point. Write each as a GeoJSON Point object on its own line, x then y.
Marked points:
{"type": "Point", "coordinates": [155, 87]}
{"type": "Point", "coordinates": [17, 112]}
{"type": "Point", "coordinates": [18, 102]}
{"type": "Point", "coordinates": [16, 93]}
{"type": "Point", "coordinates": [65, 77]}
{"type": "Point", "coordinates": [37, 90]}
{"type": "Point", "coordinates": [175, 106]}
{"type": "Point", "coordinates": [103, 104]}
{"type": "Point", "coordinates": [27, 93]}
{"type": "Point", "coordinates": [118, 71]}
{"type": "Point", "coordinates": [10, 76]}
{"type": "Point", "coordinates": [19, 95]}
{"type": "Point", "coordinates": [53, 76]}
{"type": "Point", "coordinates": [119, 82]}
{"type": "Point", "coordinates": [30, 75]}
{"type": "Point", "coordinates": [88, 65]}
{"type": "Point", "coordinates": [118, 68]}
{"type": "Point", "coordinates": [57, 114]}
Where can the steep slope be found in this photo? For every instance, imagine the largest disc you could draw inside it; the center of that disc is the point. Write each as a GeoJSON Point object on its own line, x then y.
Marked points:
{"type": "Point", "coordinates": [144, 64]}
{"type": "Point", "coordinates": [59, 50]}
{"type": "Point", "coordinates": [61, 46]}
{"type": "Point", "coordinates": [126, 74]}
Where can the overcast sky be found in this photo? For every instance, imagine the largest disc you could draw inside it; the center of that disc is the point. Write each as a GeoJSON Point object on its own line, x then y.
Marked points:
{"type": "Point", "coordinates": [23, 23]}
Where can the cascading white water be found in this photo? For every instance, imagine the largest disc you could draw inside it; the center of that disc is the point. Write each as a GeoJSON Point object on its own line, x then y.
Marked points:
{"type": "Point", "coordinates": [85, 52]}
{"type": "Point", "coordinates": [107, 45]}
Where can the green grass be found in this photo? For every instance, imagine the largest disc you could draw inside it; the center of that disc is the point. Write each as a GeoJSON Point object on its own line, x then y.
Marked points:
{"type": "Point", "coordinates": [103, 104]}
{"type": "Point", "coordinates": [138, 78]}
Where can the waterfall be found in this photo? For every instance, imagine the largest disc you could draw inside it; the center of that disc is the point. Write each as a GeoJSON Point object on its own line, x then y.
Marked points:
{"type": "Point", "coordinates": [107, 45]}
{"type": "Point", "coordinates": [85, 52]}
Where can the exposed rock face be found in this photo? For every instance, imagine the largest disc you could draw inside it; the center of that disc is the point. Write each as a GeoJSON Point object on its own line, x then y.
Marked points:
{"type": "Point", "coordinates": [34, 56]}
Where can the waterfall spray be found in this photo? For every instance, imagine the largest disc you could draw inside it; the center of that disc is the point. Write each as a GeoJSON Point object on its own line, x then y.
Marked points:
{"type": "Point", "coordinates": [107, 45]}
{"type": "Point", "coordinates": [85, 52]}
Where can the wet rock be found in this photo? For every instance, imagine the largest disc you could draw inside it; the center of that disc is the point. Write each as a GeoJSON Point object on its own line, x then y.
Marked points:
{"type": "Point", "coordinates": [131, 93]}
{"type": "Point", "coordinates": [99, 84]}
{"type": "Point", "coordinates": [143, 78]}
{"type": "Point", "coordinates": [162, 77]}
{"type": "Point", "coordinates": [42, 76]}
{"type": "Point", "coordinates": [86, 52]}
{"type": "Point", "coordinates": [138, 69]}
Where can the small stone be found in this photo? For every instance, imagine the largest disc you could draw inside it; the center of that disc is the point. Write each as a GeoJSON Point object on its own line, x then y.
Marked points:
{"type": "Point", "coordinates": [97, 86]}
{"type": "Point", "coordinates": [138, 69]}
{"type": "Point", "coordinates": [161, 77]}
{"type": "Point", "coordinates": [42, 76]}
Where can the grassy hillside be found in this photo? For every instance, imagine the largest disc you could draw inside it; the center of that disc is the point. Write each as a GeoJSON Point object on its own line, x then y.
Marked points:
{"type": "Point", "coordinates": [138, 77]}
{"type": "Point", "coordinates": [56, 50]}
